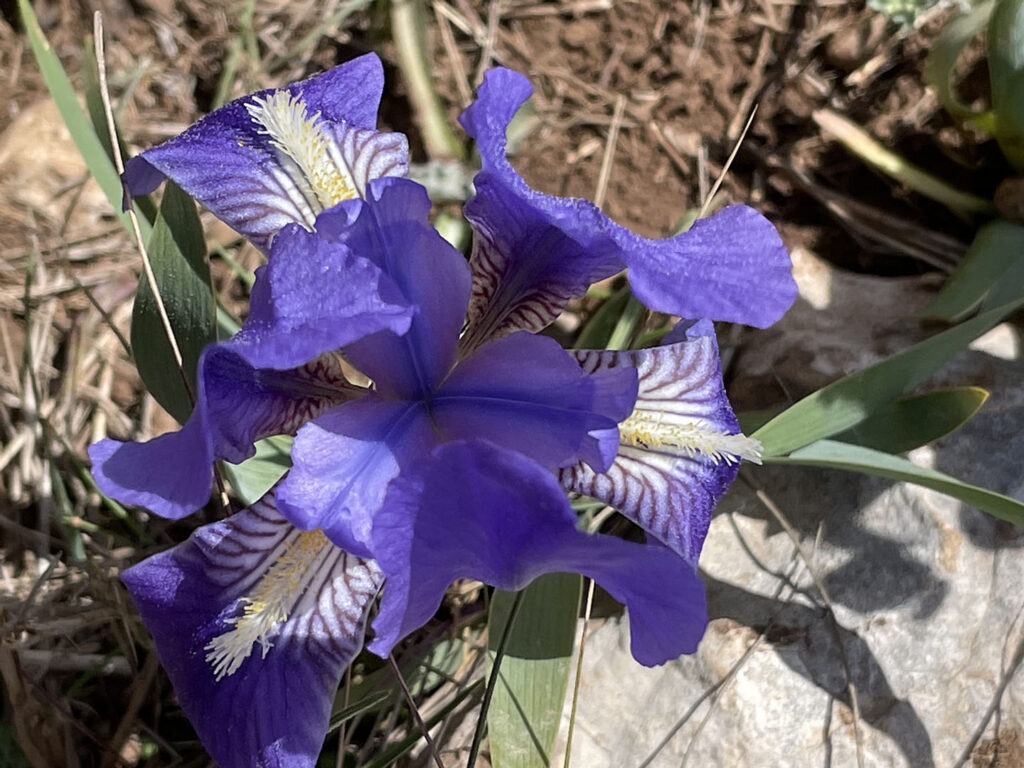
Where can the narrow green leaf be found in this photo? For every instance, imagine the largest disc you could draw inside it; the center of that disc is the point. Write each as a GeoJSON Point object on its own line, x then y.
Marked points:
{"type": "Point", "coordinates": [527, 705]}
{"type": "Point", "coordinates": [854, 458]}
{"type": "Point", "coordinates": [941, 63]}
{"type": "Point", "coordinates": [599, 328]}
{"type": "Point", "coordinates": [847, 402]}
{"type": "Point", "coordinates": [177, 252]}
{"type": "Point", "coordinates": [1006, 75]}
{"type": "Point", "coordinates": [251, 479]}
{"type": "Point", "coordinates": [911, 422]}
{"type": "Point", "coordinates": [998, 246]}
{"type": "Point", "coordinates": [79, 126]}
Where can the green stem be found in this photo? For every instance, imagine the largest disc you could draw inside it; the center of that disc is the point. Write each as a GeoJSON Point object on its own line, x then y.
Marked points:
{"type": "Point", "coordinates": [857, 140]}
{"type": "Point", "coordinates": [408, 28]}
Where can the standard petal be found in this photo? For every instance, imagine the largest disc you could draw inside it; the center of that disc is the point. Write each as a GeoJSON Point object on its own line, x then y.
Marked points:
{"type": "Point", "coordinates": [316, 296]}
{"type": "Point", "coordinates": [525, 393]}
{"type": "Point", "coordinates": [255, 622]}
{"type": "Point", "coordinates": [281, 156]}
{"type": "Point", "coordinates": [479, 512]}
{"type": "Point", "coordinates": [730, 267]}
{"type": "Point", "coordinates": [680, 448]}
{"type": "Point", "coordinates": [344, 461]}
{"type": "Point", "coordinates": [391, 229]}
{"type": "Point", "coordinates": [238, 404]}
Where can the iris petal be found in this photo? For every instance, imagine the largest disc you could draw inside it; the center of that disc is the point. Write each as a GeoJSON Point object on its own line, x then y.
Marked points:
{"type": "Point", "coordinates": [344, 461]}
{"type": "Point", "coordinates": [525, 393]}
{"type": "Point", "coordinates": [238, 404]}
{"type": "Point", "coordinates": [480, 512]}
{"type": "Point", "coordinates": [535, 251]}
{"type": "Point", "coordinates": [270, 705]}
{"type": "Point", "coordinates": [666, 477]}
{"type": "Point", "coordinates": [279, 157]}
{"type": "Point", "coordinates": [316, 296]}
{"type": "Point", "coordinates": [391, 229]}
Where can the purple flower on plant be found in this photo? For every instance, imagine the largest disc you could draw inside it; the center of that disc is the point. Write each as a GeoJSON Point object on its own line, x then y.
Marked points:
{"type": "Point", "coordinates": [453, 465]}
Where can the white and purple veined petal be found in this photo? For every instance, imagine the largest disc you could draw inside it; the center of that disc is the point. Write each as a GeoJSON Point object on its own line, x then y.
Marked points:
{"type": "Point", "coordinates": [281, 156]}
{"type": "Point", "coordinates": [255, 622]}
{"type": "Point", "coordinates": [535, 251]}
{"type": "Point", "coordinates": [477, 511]}
{"type": "Point", "coordinates": [680, 449]}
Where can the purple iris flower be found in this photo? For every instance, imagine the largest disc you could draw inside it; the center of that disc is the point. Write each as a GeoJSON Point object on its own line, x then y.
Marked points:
{"type": "Point", "coordinates": [455, 463]}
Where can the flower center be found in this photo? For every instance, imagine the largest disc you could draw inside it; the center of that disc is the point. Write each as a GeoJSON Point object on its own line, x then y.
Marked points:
{"type": "Point", "coordinates": [267, 606]}
{"type": "Point", "coordinates": [301, 137]}
{"type": "Point", "coordinates": [677, 435]}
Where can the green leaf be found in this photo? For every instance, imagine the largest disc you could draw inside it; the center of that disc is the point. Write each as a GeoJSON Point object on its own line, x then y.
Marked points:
{"type": "Point", "coordinates": [998, 247]}
{"type": "Point", "coordinates": [602, 324]}
{"type": "Point", "coordinates": [1006, 75]}
{"type": "Point", "coordinates": [527, 704]}
{"type": "Point", "coordinates": [79, 126]}
{"type": "Point", "coordinates": [177, 252]}
{"type": "Point", "coordinates": [849, 401]}
{"type": "Point", "coordinates": [911, 422]}
{"type": "Point", "coordinates": [853, 458]}
{"type": "Point", "coordinates": [251, 479]}
{"type": "Point", "coordinates": [941, 63]}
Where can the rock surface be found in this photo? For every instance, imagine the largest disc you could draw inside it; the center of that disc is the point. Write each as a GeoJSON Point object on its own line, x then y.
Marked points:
{"type": "Point", "coordinates": [924, 611]}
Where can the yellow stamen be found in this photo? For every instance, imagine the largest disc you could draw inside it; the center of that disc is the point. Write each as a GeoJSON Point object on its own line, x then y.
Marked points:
{"type": "Point", "coordinates": [671, 433]}
{"type": "Point", "coordinates": [268, 605]}
{"type": "Point", "coordinates": [301, 137]}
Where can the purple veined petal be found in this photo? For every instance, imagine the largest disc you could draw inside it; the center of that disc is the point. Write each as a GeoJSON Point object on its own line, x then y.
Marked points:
{"type": "Point", "coordinates": [238, 404]}
{"type": "Point", "coordinates": [680, 448]}
{"type": "Point", "coordinates": [732, 266]}
{"type": "Point", "coordinates": [391, 229]}
{"type": "Point", "coordinates": [316, 296]}
{"type": "Point", "coordinates": [255, 622]}
{"type": "Point", "coordinates": [480, 512]}
{"type": "Point", "coordinates": [280, 156]}
{"type": "Point", "coordinates": [344, 461]}
{"type": "Point", "coordinates": [525, 393]}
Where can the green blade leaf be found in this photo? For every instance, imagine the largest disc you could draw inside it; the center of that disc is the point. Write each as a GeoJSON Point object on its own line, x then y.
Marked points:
{"type": "Point", "coordinates": [941, 63]}
{"type": "Point", "coordinates": [997, 248]}
{"type": "Point", "coordinates": [1006, 75]}
{"type": "Point", "coordinates": [177, 252]}
{"type": "Point", "coordinates": [251, 479]}
{"type": "Point", "coordinates": [849, 401]}
{"type": "Point", "coordinates": [527, 705]}
{"type": "Point", "coordinates": [911, 422]}
{"type": "Point", "coordinates": [78, 124]}
{"type": "Point", "coordinates": [853, 458]}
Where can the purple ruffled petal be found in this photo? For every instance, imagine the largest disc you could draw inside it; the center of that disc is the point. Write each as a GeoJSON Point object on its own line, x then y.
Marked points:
{"type": "Point", "coordinates": [535, 250]}
{"type": "Point", "coordinates": [479, 512]}
{"type": "Point", "coordinates": [525, 393]}
{"type": "Point", "coordinates": [344, 461]}
{"type": "Point", "coordinates": [246, 162]}
{"type": "Point", "coordinates": [391, 229]}
{"type": "Point", "coordinates": [238, 404]}
{"type": "Point", "coordinates": [316, 296]}
{"type": "Point", "coordinates": [665, 477]}
{"type": "Point", "coordinates": [255, 622]}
